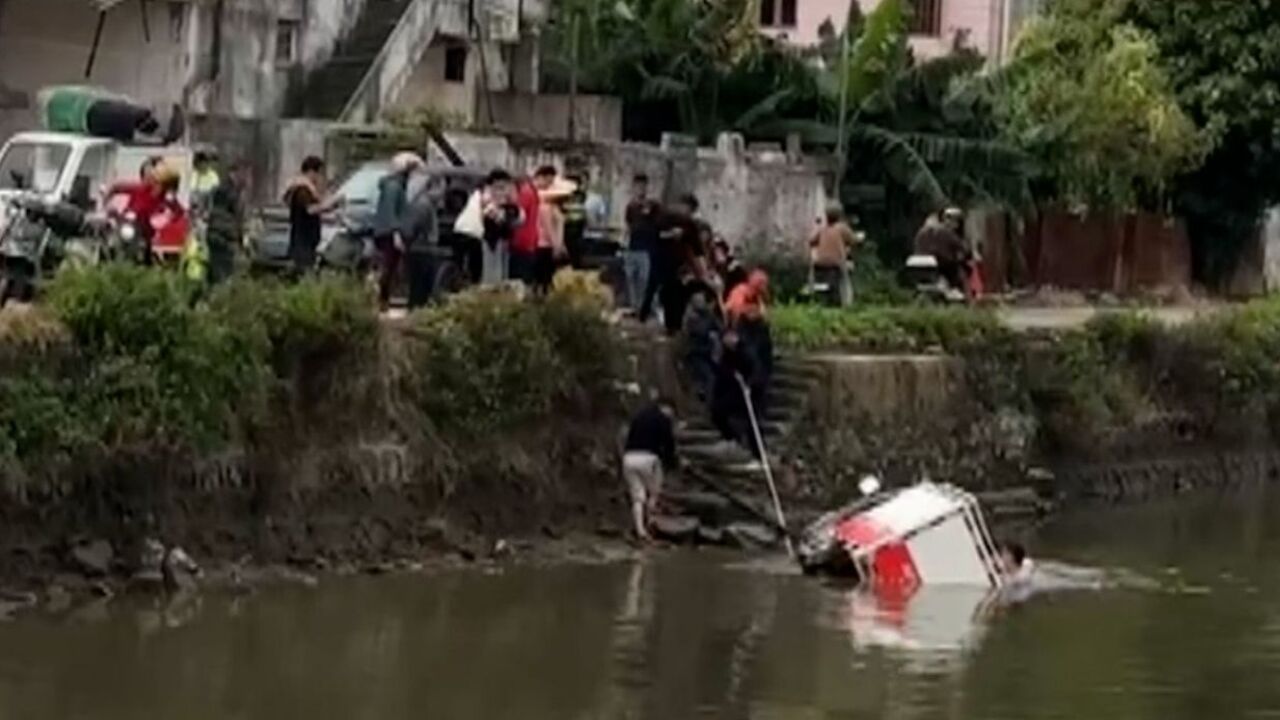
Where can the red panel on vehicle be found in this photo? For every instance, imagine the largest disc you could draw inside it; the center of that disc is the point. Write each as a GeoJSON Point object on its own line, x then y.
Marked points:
{"type": "Point", "coordinates": [860, 531]}
{"type": "Point", "coordinates": [894, 569]}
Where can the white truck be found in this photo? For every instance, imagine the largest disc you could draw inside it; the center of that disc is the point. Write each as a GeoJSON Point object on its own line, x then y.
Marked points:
{"type": "Point", "coordinates": [76, 168]}
{"type": "Point", "coordinates": [52, 191]}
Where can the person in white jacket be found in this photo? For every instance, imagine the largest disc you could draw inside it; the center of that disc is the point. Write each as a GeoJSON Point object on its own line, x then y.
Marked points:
{"type": "Point", "coordinates": [491, 216]}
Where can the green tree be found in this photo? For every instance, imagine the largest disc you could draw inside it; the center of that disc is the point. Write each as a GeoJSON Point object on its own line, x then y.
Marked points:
{"type": "Point", "coordinates": [703, 67]}
{"type": "Point", "coordinates": [1087, 97]}
{"type": "Point", "coordinates": [667, 59]}
{"type": "Point", "coordinates": [1223, 59]}
{"type": "Point", "coordinates": [910, 128]}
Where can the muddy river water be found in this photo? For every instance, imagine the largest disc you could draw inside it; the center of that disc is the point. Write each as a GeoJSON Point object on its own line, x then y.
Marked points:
{"type": "Point", "coordinates": [700, 635]}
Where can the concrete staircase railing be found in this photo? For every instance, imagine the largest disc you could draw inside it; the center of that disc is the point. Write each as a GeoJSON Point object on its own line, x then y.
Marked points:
{"type": "Point", "coordinates": [400, 55]}
{"type": "Point", "coordinates": [720, 499]}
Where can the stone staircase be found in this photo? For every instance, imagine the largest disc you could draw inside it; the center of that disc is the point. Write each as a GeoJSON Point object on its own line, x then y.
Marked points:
{"type": "Point", "coordinates": [721, 497]}
{"type": "Point", "coordinates": [330, 88]}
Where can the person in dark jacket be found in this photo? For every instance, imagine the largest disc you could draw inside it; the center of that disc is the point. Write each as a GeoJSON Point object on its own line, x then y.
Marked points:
{"type": "Point", "coordinates": [389, 221]}
{"type": "Point", "coordinates": [650, 449]}
{"type": "Point", "coordinates": [642, 217]}
{"type": "Point", "coordinates": [680, 261]}
{"type": "Point", "coordinates": [226, 222]}
{"type": "Point", "coordinates": [729, 412]}
{"type": "Point", "coordinates": [308, 201]}
{"type": "Point", "coordinates": [941, 236]}
{"type": "Point", "coordinates": [422, 233]}
{"type": "Point", "coordinates": [702, 341]}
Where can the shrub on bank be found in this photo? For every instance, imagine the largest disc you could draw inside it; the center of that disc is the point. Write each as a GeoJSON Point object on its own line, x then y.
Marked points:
{"type": "Point", "coordinates": [317, 320]}
{"type": "Point", "coordinates": [487, 359]}
{"type": "Point", "coordinates": [127, 359]}
{"type": "Point", "coordinates": [155, 370]}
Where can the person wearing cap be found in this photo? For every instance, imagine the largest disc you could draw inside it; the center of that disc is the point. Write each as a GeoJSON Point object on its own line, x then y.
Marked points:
{"type": "Point", "coordinates": [390, 219]}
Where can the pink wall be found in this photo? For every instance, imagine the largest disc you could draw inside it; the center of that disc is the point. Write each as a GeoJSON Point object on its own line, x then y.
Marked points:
{"type": "Point", "coordinates": [981, 18]}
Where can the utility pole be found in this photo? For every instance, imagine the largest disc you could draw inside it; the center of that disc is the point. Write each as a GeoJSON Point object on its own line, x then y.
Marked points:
{"type": "Point", "coordinates": [574, 27]}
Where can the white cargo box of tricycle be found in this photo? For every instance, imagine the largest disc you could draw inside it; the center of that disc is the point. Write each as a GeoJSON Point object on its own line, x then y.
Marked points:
{"type": "Point", "coordinates": [927, 534]}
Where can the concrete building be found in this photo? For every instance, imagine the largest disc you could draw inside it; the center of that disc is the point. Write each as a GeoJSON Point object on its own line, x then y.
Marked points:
{"type": "Point", "coordinates": [346, 60]}
{"type": "Point", "coordinates": [988, 26]}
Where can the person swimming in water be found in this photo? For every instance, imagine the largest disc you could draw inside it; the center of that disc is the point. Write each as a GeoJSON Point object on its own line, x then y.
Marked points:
{"type": "Point", "coordinates": [1014, 563]}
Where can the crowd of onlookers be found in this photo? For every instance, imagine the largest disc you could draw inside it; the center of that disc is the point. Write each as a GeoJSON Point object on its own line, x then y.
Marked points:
{"type": "Point", "coordinates": [509, 228]}
{"type": "Point", "coordinates": [707, 298]}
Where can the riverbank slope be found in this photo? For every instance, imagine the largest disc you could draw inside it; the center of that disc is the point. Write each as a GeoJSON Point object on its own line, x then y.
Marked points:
{"type": "Point", "coordinates": [271, 423]}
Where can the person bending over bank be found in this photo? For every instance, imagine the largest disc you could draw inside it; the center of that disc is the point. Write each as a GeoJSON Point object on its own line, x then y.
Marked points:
{"type": "Point", "coordinates": [650, 449]}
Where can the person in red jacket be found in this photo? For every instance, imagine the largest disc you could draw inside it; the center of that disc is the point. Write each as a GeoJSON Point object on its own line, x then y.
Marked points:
{"type": "Point", "coordinates": [153, 202]}
{"type": "Point", "coordinates": [524, 243]}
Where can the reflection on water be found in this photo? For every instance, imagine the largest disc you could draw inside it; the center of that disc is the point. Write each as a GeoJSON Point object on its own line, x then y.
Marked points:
{"type": "Point", "coordinates": [935, 625]}
{"type": "Point", "coordinates": [696, 635]}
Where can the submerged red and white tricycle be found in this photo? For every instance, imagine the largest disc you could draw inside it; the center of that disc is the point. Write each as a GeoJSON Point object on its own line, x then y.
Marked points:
{"type": "Point", "coordinates": [926, 534]}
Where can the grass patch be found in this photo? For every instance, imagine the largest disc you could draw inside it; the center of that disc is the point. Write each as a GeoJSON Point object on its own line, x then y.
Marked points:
{"type": "Point", "coordinates": [885, 329]}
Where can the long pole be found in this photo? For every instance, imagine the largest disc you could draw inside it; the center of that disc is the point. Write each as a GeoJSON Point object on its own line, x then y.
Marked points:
{"type": "Point", "coordinates": [97, 40]}
{"type": "Point", "coordinates": [768, 471]}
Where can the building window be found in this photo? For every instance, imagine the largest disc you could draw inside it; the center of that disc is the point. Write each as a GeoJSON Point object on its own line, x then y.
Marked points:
{"type": "Point", "coordinates": [286, 42]}
{"type": "Point", "coordinates": [926, 17]}
{"type": "Point", "coordinates": [455, 63]}
{"type": "Point", "coordinates": [778, 13]}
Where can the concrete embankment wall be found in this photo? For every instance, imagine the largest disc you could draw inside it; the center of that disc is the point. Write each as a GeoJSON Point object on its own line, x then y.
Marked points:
{"type": "Point", "coordinates": [912, 416]}
{"type": "Point", "coordinates": [903, 417]}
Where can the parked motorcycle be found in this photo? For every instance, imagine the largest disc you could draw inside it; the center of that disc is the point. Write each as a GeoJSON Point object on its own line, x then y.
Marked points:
{"type": "Point", "coordinates": [923, 275]}
{"type": "Point", "coordinates": [39, 236]}
{"type": "Point", "coordinates": [123, 239]}
{"type": "Point", "coordinates": [351, 249]}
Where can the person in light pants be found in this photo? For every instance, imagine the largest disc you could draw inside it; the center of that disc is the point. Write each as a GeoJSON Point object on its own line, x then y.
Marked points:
{"type": "Point", "coordinates": [650, 451]}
